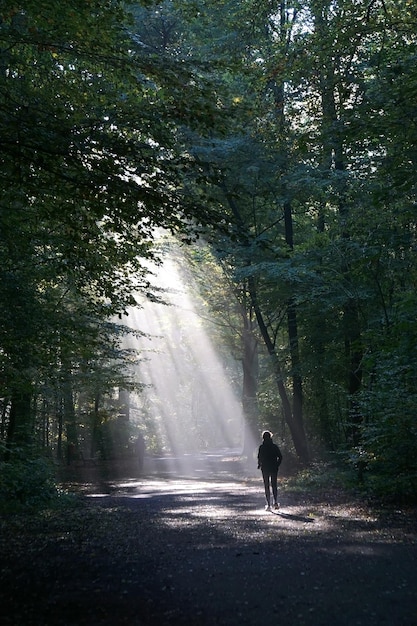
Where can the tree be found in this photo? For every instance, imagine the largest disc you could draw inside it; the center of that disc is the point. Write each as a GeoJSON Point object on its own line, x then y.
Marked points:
{"type": "Point", "coordinates": [313, 180]}
{"type": "Point", "coordinates": [90, 166]}
{"type": "Point", "coordinates": [234, 166]}
{"type": "Point", "coordinates": [276, 128]}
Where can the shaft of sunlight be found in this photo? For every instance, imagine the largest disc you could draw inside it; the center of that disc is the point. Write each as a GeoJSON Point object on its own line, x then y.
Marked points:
{"type": "Point", "coordinates": [190, 408]}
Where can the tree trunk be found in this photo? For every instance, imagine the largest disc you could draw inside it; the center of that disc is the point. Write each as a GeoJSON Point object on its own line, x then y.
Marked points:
{"type": "Point", "coordinates": [333, 157]}
{"type": "Point", "coordinates": [4, 410]}
{"type": "Point", "coordinates": [297, 384]}
{"type": "Point", "coordinates": [95, 443]}
{"type": "Point", "coordinates": [294, 424]}
{"type": "Point", "coordinates": [70, 420]}
{"type": "Point", "coordinates": [250, 383]}
{"type": "Point", "coordinates": [354, 355]}
{"type": "Point", "coordinates": [19, 432]}
{"type": "Point", "coordinates": [292, 327]}
{"type": "Point", "coordinates": [278, 91]}
{"type": "Point", "coordinates": [58, 414]}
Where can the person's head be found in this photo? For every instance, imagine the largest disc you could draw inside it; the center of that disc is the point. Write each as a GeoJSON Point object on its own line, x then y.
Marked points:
{"type": "Point", "coordinates": [266, 436]}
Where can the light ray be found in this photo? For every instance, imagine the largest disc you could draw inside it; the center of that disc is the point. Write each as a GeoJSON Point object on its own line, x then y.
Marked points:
{"type": "Point", "coordinates": [189, 406]}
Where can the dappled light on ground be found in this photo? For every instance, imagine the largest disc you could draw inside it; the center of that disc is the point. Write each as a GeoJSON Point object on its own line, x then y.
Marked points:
{"type": "Point", "coordinates": [191, 551]}
{"type": "Point", "coordinates": [182, 502]}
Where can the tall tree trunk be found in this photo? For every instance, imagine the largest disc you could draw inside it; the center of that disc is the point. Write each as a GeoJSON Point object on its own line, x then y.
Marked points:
{"type": "Point", "coordinates": [70, 419]}
{"type": "Point", "coordinates": [4, 413]}
{"type": "Point", "coordinates": [294, 424]}
{"type": "Point", "coordinates": [95, 443]}
{"type": "Point", "coordinates": [297, 384]}
{"type": "Point", "coordinates": [250, 368]}
{"type": "Point", "coordinates": [20, 427]}
{"type": "Point", "coordinates": [59, 416]}
{"type": "Point", "coordinates": [20, 431]}
{"type": "Point", "coordinates": [333, 153]}
{"type": "Point", "coordinates": [292, 327]}
{"type": "Point", "coordinates": [278, 91]}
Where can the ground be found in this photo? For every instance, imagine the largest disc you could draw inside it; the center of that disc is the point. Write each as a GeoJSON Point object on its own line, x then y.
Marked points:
{"type": "Point", "coordinates": [169, 549]}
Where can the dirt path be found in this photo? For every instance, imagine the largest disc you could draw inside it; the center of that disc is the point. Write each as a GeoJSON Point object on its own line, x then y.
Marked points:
{"type": "Point", "coordinates": [191, 552]}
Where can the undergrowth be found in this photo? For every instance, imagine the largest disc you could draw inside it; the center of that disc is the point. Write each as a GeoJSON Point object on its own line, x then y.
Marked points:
{"type": "Point", "coordinates": [29, 485]}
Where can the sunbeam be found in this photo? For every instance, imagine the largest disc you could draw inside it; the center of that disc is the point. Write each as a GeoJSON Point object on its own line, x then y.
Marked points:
{"type": "Point", "coordinates": [190, 406]}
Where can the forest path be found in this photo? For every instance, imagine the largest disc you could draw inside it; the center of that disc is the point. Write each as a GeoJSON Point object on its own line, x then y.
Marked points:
{"type": "Point", "coordinates": [191, 551]}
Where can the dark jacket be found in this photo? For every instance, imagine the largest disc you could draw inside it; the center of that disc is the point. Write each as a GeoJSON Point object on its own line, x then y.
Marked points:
{"type": "Point", "coordinates": [269, 457]}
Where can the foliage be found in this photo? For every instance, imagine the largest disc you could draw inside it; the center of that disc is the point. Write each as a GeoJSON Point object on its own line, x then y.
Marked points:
{"type": "Point", "coordinates": [28, 483]}
{"type": "Point", "coordinates": [390, 430]}
{"type": "Point", "coordinates": [90, 166]}
{"type": "Point", "coordinates": [321, 476]}
{"type": "Point", "coordinates": [316, 135]}
{"type": "Point", "coordinates": [278, 131]}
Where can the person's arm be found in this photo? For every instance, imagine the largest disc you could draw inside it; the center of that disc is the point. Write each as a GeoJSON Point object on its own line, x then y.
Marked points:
{"type": "Point", "coordinates": [259, 458]}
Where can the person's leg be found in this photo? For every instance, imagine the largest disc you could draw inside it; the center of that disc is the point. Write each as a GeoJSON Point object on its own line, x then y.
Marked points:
{"type": "Point", "coordinates": [265, 477]}
{"type": "Point", "coordinates": [274, 481]}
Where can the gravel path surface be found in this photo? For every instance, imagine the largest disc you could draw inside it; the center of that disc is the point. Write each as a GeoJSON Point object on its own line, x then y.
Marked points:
{"type": "Point", "coordinates": [186, 551]}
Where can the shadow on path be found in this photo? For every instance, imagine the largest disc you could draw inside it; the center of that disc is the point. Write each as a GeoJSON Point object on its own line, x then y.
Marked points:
{"type": "Point", "coordinates": [296, 518]}
{"type": "Point", "coordinates": [187, 551]}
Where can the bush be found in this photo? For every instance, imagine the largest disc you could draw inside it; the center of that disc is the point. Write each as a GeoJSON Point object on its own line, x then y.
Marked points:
{"type": "Point", "coordinates": [28, 483]}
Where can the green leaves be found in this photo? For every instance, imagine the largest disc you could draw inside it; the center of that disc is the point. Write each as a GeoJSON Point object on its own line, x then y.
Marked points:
{"type": "Point", "coordinates": [90, 166]}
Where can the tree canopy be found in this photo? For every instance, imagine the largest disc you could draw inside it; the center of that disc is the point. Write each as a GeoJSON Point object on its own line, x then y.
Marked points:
{"type": "Point", "coordinates": [284, 133]}
{"type": "Point", "coordinates": [90, 167]}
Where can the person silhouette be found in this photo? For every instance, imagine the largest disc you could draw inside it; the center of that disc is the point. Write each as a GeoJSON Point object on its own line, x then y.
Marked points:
{"type": "Point", "coordinates": [269, 460]}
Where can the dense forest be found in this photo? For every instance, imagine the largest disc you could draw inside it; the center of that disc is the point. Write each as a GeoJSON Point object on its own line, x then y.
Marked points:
{"type": "Point", "coordinates": [275, 143]}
